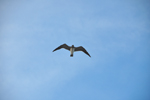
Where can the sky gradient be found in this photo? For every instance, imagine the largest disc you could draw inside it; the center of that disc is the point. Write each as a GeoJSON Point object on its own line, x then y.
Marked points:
{"type": "Point", "coordinates": [115, 33]}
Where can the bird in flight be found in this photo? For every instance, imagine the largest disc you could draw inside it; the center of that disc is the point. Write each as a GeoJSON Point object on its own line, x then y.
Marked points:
{"type": "Point", "coordinates": [72, 49]}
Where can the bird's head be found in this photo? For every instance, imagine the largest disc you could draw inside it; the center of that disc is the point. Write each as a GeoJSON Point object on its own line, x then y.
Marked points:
{"type": "Point", "coordinates": [72, 45]}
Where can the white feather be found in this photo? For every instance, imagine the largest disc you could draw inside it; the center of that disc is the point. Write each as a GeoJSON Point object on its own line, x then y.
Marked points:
{"type": "Point", "coordinates": [71, 51]}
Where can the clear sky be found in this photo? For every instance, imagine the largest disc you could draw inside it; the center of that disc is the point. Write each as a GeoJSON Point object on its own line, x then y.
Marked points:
{"type": "Point", "coordinates": [116, 33]}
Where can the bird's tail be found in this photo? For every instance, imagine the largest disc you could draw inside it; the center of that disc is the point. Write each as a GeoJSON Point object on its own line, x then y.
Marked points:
{"type": "Point", "coordinates": [71, 55]}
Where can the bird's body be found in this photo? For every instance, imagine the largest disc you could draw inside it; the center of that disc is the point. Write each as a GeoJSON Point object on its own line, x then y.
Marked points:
{"type": "Point", "coordinates": [72, 49]}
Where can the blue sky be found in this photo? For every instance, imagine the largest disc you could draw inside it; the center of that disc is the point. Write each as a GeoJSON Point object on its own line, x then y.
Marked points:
{"type": "Point", "coordinates": [115, 33]}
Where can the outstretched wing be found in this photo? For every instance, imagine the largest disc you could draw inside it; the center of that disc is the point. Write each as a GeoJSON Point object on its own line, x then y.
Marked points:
{"type": "Point", "coordinates": [82, 49]}
{"type": "Point", "coordinates": [65, 46]}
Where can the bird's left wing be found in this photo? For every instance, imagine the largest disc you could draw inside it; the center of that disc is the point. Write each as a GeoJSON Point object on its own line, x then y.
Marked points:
{"type": "Point", "coordinates": [80, 48]}
{"type": "Point", "coordinates": [65, 46]}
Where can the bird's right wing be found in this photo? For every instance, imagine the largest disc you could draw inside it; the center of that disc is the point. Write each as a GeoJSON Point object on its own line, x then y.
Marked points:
{"type": "Point", "coordinates": [80, 48]}
{"type": "Point", "coordinates": [65, 46]}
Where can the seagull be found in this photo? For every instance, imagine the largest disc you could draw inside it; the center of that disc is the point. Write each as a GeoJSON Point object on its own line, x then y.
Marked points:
{"type": "Point", "coordinates": [72, 49]}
